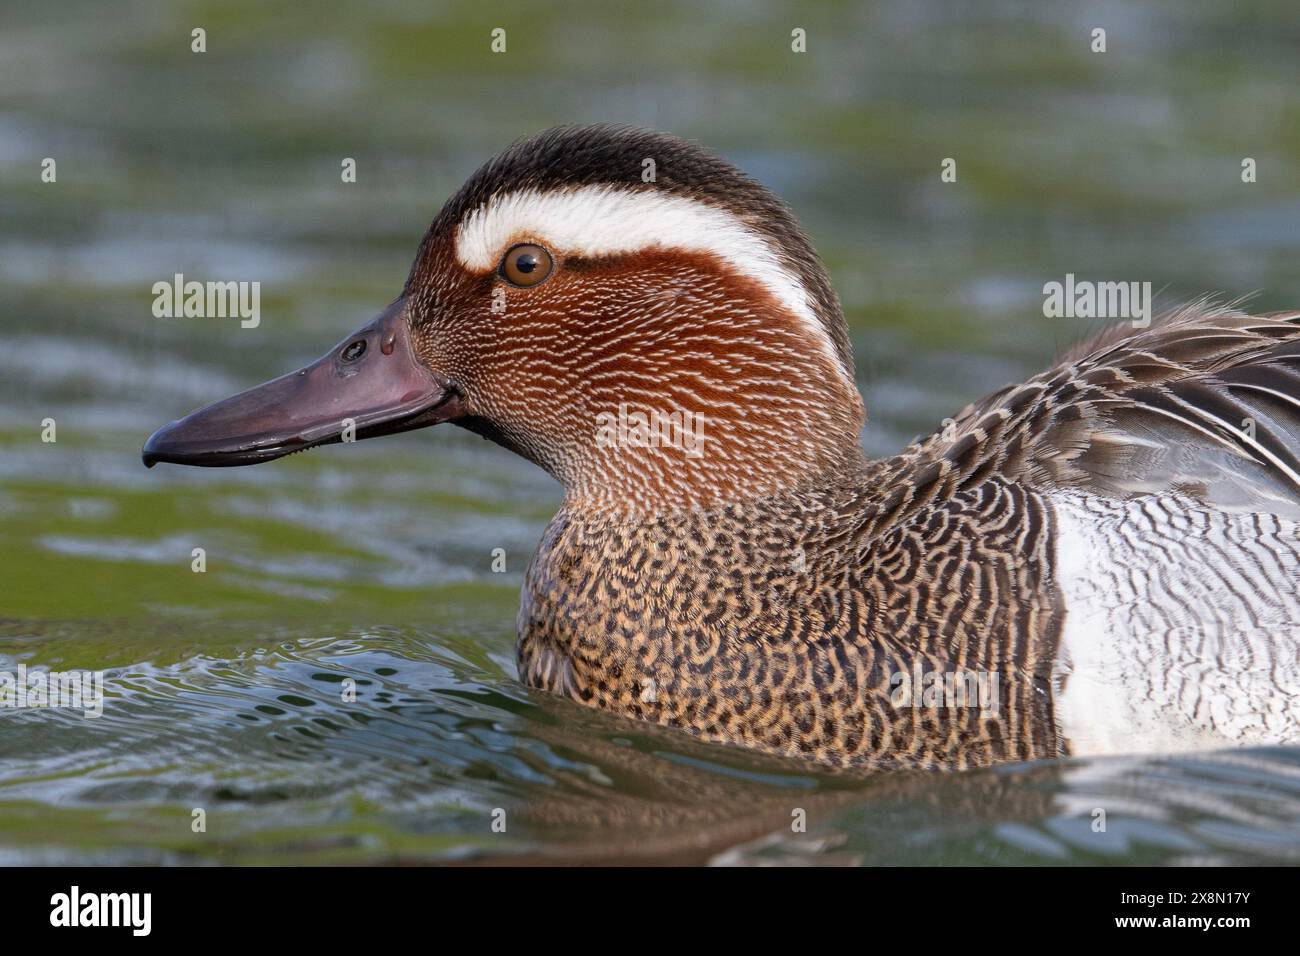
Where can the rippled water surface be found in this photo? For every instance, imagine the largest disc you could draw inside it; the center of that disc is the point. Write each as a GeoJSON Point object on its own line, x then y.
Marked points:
{"type": "Point", "coordinates": [370, 565]}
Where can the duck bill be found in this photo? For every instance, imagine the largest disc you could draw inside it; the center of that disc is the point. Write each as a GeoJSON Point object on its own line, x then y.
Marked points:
{"type": "Point", "coordinates": [372, 383]}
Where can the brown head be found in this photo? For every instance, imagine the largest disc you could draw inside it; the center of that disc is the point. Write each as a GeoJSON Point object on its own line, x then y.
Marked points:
{"type": "Point", "coordinates": [654, 345]}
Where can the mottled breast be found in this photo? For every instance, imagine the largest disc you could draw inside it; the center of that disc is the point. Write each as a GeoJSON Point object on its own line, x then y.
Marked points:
{"type": "Point", "coordinates": [830, 624]}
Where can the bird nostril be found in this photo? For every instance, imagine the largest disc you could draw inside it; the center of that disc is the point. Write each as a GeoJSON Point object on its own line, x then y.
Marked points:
{"type": "Point", "coordinates": [354, 350]}
{"type": "Point", "coordinates": [386, 346]}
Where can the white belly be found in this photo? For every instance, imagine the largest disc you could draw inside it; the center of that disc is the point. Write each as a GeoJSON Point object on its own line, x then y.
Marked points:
{"type": "Point", "coordinates": [1182, 627]}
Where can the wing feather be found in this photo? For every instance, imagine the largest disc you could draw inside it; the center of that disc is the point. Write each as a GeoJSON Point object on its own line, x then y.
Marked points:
{"type": "Point", "coordinates": [1205, 401]}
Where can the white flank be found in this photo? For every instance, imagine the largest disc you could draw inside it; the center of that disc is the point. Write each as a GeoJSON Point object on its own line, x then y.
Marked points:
{"type": "Point", "coordinates": [1179, 634]}
{"type": "Point", "coordinates": [604, 220]}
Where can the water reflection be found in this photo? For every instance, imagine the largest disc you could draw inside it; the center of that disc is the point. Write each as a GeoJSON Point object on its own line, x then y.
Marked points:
{"type": "Point", "coordinates": [269, 742]}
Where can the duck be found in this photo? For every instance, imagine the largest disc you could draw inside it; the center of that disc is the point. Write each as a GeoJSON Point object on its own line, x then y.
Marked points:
{"type": "Point", "coordinates": [1100, 559]}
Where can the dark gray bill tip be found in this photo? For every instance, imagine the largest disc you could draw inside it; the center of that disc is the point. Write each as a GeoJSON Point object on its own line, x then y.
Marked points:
{"type": "Point", "coordinates": [372, 383]}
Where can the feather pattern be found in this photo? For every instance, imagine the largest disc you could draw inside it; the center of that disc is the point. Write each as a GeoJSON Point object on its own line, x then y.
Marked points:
{"type": "Point", "coordinates": [1075, 563]}
{"type": "Point", "coordinates": [784, 623]}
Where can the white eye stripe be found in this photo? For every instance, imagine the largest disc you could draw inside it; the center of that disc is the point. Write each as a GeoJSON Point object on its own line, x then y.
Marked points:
{"type": "Point", "coordinates": [604, 220]}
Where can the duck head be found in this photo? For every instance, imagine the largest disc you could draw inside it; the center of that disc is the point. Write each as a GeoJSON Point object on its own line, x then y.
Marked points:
{"type": "Point", "coordinates": [622, 308]}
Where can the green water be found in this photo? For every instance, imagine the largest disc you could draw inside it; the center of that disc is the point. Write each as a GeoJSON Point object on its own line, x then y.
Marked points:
{"type": "Point", "coordinates": [373, 561]}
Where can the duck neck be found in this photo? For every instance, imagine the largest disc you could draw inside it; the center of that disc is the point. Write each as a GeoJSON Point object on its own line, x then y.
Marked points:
{"type": "Point", "coordinates": [651, 463]}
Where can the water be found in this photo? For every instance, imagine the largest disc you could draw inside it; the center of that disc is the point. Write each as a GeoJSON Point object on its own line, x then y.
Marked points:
{"type": "Point", "coordinates": [372, 562]}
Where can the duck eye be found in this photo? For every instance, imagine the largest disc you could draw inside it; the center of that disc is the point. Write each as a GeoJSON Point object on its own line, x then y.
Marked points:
{"type": "Point", "coordinates": [526, 264]}
{"type": "Point", "coordinates": [354, 350]}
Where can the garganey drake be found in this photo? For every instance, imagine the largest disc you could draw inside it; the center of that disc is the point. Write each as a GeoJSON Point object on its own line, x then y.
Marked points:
{"type": "Point", "coordinates": [1100, 559]}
